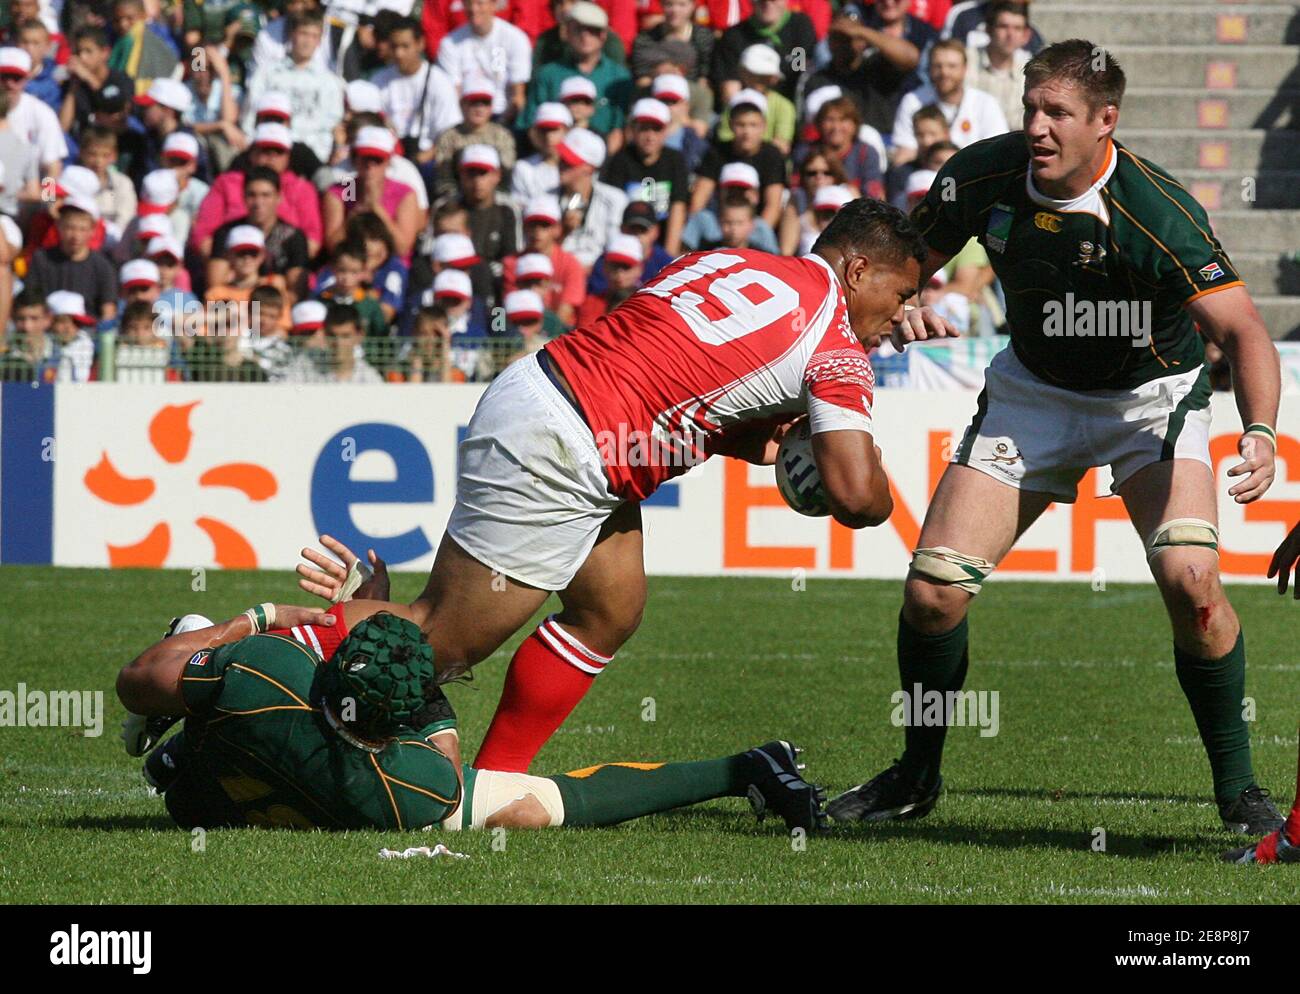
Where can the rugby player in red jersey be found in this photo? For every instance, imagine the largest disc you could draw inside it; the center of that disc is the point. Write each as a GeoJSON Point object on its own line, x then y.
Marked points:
{"type": "Point", "coordinates": [716, 355]}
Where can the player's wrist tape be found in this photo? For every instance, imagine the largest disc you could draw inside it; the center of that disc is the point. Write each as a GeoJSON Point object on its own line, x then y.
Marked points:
{"type": "Point", "coordinates": [262, 617]}
{"type": "Point", "coordinates": [1262, 430]}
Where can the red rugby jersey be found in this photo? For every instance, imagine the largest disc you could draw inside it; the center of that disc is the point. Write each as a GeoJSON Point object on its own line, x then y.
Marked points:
{"type": "Point", "coordinates": [717, 338]}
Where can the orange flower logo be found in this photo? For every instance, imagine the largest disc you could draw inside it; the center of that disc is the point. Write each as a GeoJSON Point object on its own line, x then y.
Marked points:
{"type": "Point", "coordinates": [170, 435]}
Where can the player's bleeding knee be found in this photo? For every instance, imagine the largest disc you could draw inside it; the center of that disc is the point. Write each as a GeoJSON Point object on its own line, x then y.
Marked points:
{"type": "Point", "coordinates": [548, 676]}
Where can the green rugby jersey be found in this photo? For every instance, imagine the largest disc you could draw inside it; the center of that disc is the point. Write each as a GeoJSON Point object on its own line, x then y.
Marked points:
{"type": "Point", "coordinates": [258, 750]}
{"type": "Point", "coordinates": [1084, 277]}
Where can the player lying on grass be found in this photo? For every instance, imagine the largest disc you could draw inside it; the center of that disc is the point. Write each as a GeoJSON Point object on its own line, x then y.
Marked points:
{"type": "Point", "coordinates": [297, 718]}
{"type": "Point", "coordinates": [1109, 267]}
{"type": "Point", "coordinates": [717, 355]}
{"type": "Point", "coordinates": [1282, 845]}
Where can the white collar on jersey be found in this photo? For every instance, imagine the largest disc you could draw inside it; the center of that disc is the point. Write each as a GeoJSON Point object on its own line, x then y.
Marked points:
{"type": "Point", "coordinates": [1088, 202]}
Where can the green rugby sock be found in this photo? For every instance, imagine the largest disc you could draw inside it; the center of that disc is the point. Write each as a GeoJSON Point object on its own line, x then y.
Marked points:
{"type": "Point", "coordinates": [615, 792]}
{"type": "Point", "coordinates": [936, 662]}
{"type": "Point", "coordinates": [1215, 688]}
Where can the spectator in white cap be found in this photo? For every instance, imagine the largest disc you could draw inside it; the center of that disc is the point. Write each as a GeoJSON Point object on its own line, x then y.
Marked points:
{"type": "Point", "coordinates": [585, 29]}
{"type": "Point", "coordinates": [539, 173]}
{"type": "Point", "coordinates": [748, 110]}
{"type": "Point", "coordinates": [760, 72]}
{"type": "Point", "coordinates": [73, 350]}
{"type": "Point", "coordinates": [181, 156]}
{"type": "Point", "coordinates": [475, 128]}
{"type": "Point", "coordinates": [139, 279]}
{"type": "Point", "coordinates": [491, 47]}
{"type": "Point", "coordinates": [420, 100]}
{"type": "Point", "coordinates": [644, 169]}
{"type": "Point", "coordinates": [299, 201]}
{"type": "Point", "coordinates": [593, 211]}
{"type": "Point", "coordinates": [373, 191]}
{"type": "Point", "coordinates": [738, 184]}
{"type": "Point", "coordinates": [31, 119]}
{"type": "Point", "coordinates": [685, 134]}
{"type": "Point", "coordinates": [73, 265]}
{"type": "Point", "coordinates": [315, 97]}
{"type": "Point", "coordinates": [622, 264]}
{"type": "Point", "coordinates": [308, 317]}
{"type": "Point", "coordinates": [789, 32]}
{"type": "Point", "coordinates": [527, 317]}
{"type": "Point", "coordinates": [272, 45]}
{"type": "Point", "coordinates": [578, 94]}
{"type": "Point", "coordinates": [245, 253]}
{"type": "Point", "coordinates": [491, 217]}
{"type": "Point", "coordinates": [287, 253]}
{"type": "Point", "coordinates": [174, 296]}
{"type": "Point", "coordinates": [362, 97]}
{"type": "Point", "coordinates": [115, 195]}
{"type": "Point", "coordinates": [161, 110]}
{"type": "Point", "coordinates": [542, 235]}
{"type": "Point", "coordinates": [399, 168]}
{"type": "Point", "coordinates": [277, 108]}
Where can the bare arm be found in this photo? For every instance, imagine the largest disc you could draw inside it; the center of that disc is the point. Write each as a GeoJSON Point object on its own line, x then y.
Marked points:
{"type": "Point", "coordinates": [1230, 320]}
{"type": "Point", "coordinates": [856, 485]}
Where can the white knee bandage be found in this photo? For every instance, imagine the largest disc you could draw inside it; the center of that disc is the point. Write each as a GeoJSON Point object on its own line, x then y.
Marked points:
{"type": "Point", "coordinates": [493, 792]}
{"type": "Point", "coordinates": [950, 567]}
{"type": "Point", "coordinates": [1183, 531]}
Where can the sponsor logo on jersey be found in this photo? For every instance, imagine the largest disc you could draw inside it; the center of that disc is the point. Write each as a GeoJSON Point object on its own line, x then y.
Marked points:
{"type": "Point", "coordinates": [999, 229]}
{"type": "Point", "coordinates": [200, 658]}
{"type": "Point", "coordinates": [1211, 272]}
{"type": "Point", "coordinates": [1044, 221]}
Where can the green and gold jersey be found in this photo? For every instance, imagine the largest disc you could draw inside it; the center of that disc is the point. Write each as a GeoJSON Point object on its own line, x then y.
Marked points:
{"type": "Point", "coordinates": [1096, 287]}
{"type": "Point", "coordinates": [259, 750]}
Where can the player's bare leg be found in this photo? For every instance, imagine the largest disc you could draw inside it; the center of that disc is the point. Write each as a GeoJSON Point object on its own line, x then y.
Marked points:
{"type": "Point", "coordinates": [1173, 507]}
{"type": "Point", "coordinates": [555, 667]}
{"type": "Point", "coordinates": [955, 552]}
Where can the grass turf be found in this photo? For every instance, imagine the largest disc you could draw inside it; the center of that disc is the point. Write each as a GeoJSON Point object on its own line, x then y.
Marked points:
{"type": "Point", "coordinates": [1094, 734]}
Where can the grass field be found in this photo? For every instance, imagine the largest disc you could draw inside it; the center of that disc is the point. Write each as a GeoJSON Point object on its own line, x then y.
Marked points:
{"type": "Point", "coordinates": [1094, 733]}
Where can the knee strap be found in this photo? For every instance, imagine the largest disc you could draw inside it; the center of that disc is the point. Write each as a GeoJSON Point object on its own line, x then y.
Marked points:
{"type": "Point", "coordinates": [950, 567]}
{"type": "Point", "coordinates": [492, 791]}
{"type": "Point", "coordinates": [1183, 531]}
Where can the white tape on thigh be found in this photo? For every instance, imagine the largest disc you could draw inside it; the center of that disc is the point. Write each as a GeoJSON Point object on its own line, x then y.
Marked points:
{"type": "Point", "coordinates": [494, 791]}
{"type": "Point", "coordinates": [1183, 531]}
{"type": "Point", "coordinates": [948, 566]}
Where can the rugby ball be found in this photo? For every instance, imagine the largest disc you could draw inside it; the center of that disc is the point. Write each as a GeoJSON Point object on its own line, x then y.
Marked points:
{"type": "Point", "coordinates": [797, 476]}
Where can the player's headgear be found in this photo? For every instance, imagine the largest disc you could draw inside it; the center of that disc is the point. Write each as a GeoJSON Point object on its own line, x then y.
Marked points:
{"type": "Point", "coordinates": [376, 679]}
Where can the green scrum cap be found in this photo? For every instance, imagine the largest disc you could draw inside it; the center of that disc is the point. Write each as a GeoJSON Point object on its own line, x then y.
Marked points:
{"type": "Point", "coordinates": [383, 667]}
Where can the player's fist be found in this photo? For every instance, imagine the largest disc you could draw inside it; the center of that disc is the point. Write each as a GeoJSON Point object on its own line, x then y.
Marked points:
{"type": "Point", "coordinates": [920, 324]}
{"type": "Point", "coordinates": [1257, 465]}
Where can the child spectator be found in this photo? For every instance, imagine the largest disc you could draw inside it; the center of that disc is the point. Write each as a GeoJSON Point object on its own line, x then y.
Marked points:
{"type": "Point", "coordinates": [736, 180]}
{"type": "Point", "coordinates": [347, 360]}
{"type": "Point", "coordinates": [930, 126]}
{"type": "Point", "coordinates": [163, 106]}
{"type": "Point", "coordinates": [174, 301]}
{"type": "Point", "coordinates": [640, 222]}
{"type": "Point", "coordinates": [427, 357]}
{"type": "Point", "coordinates": [73, 265]}
{"type": "Point", "coordinates": [525, 314]}
{"type": "Point", "coordinates": [645, 170]}
{"type": "Point", "coordinates": [389, 276]}
{"type": "Point", "coordinates": [685, 134]}
{"type": "Point", "coordinates": [622, 264]}
{"type": "Point", "coordinates": [476, 128]}
{"type": "Point", "coordinates": [181, 156]}
{"type": "Point", "coordinates": [538, 174]}
{"type": "Point", "coordinates": [45, 82]}
{"type": "Point", "coordinates": [760, 71]}
{"type": "Point", "coordinates": [348, 286]}
{"type": "Point", "coordinates": [141, 284]}
{"type": "Point", "coordinates": [542, 232]}
{"type": "Point", "coordinates": [140, 355]}
{"type": "Point", "coordinates": [578, 96]}
{"type": "Point", "coordinates": [593, 211]}
{"type": "Point", "coordinates": [116, 198]}
{"type": "Point", "coordinates": [748, 122]}
{"type": "Point", "coordinates": [286, 246]}
{"type": "Point", "coordinates": [27, 353]}
{"type": "Point", "coordinates": [71, 351]}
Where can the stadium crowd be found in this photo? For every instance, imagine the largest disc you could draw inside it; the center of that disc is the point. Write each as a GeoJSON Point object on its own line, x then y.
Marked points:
{"type": "Point", "coordinates": [424, 190]}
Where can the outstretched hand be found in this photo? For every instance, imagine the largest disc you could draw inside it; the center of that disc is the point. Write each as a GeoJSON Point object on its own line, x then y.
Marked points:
{"type": "Point", "coordinates": [921, 324]}
{"type": "Point", "coordinates": [326, 579]}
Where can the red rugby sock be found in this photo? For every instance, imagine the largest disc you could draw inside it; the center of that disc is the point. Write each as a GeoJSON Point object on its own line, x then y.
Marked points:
{"type": "Point", "coordinates": [1292, 826]}
{"type": "Point", "coordinates": [548, 676]}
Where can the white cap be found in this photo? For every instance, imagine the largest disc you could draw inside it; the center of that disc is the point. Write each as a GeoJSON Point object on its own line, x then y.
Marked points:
{"type": "Point", "coordinates": [578, 86]}
{"type": "Point", "coordinates": [751, 97]}
{"type": "Point", "coordinates": [739, 174]}
{"type": "Point", "coordinates": [78, 202]}
{"type": "Point", "coordinates": [650, 109]}
{"type": "Point", "coordinates": [452, 283]}
{"type": "Point", "coordinates": [160, 188]}
{"type": "Point", "coordinates": [168, 92]}
{"type": "Point", "coordinates": [546, 207]}
{"type": "Point", "coordinates": [524, 305]}
{"type": "Point", "coordinates": [581, 145]}
{"type": "Point", "coordinates": [363, 97]}
{"type": "Point", "coordinates": [456, 250]}
{"type": "Point", "coordinates": [919, 183]}
{"type": "Point", "coordinates": [626, 249]}
{"type": "Point", "coordinates": [66, 302]}
{"type": "Point", "coordinates": [813, 102]}
{"type": "Point", "coordinates": [761, 60]}
{"type": "Point", "coordinates": [587, 13]}
{"type": "Point", "coordinates": [552, 114]}
{"type": "Point", "coordinates": [164, 244]}
{"type": "Point", "coordinates": [274, 105]}
{"type": "Point", "coordinates": [245, 236]}
{"type": "Point", "coordinates": [670, 86]}
{"type": "Point", "coordinates": [480, 157]}
{"type": "Point", "coordinates": [154, 226]}
{"type": "Point", "coordinates": [534, 266]}
{"type": "Point", "coordinates": [273, 135]}
{"type": "Point", "coordinates": [14, 61]}
{"type": "Point", "coordinates": [181, 144]}
{"type": "Point", "coordinates": [308, 316]}
{"type": "Point", "coordinates": [374, 141]}
{"type": "Point", "coordinates": [832, 198]}
{"type": "Point", "coordinates": [139, 272]}
{"type": "Point", "coordinates": [475, 84]}
{"type": "Point", "coordinates": [77, 180]}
